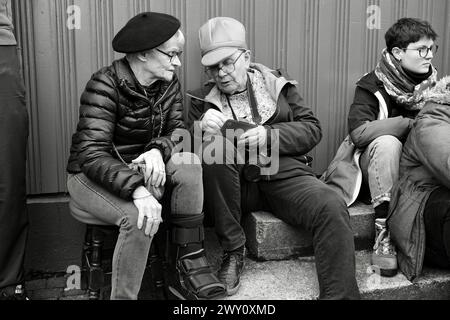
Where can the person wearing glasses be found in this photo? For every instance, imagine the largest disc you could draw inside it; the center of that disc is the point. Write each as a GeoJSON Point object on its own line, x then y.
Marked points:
{"type": "Point", "coordinates": [253, 96]}
{"type": "Point", "coordinates": [129, 111]}
{"type": "Point", "coordinates": [385, 103]}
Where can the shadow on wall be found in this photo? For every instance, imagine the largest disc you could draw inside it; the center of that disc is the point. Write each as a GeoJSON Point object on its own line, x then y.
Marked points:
{"type": "Point", "coordinates": [55, 238]}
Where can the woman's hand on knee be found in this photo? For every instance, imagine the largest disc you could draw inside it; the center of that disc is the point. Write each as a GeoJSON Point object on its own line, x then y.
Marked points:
{"type": "Point", "coordinates": [149, 210]}
{"type": "Point", "coordinates": [155, 168]}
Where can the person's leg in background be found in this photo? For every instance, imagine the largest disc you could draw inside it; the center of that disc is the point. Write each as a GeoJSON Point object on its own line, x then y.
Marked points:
{"type": "Point", "coordinates": [307, 202]}
{"type": "Point", "coordinates": [380, 167]}
{"type": "Point", "coordinates": [437, 228]}
{"type": "Point", "coordinates": [13, 145]}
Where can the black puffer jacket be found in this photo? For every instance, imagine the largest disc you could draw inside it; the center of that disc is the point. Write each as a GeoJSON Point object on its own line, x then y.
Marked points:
{"type": "Point", "coordinates": [115, 109]}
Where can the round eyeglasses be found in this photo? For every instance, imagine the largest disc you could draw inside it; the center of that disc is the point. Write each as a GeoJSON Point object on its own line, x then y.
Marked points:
{"type": "Point", "coordinates": [423, 51]}
{"type": "Point", "coordinates": [227, 67]}
{"type": "Point", "coordinates": [171, 55]}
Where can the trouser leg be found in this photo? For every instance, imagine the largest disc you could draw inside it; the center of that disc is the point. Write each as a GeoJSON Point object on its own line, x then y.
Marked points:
{"type": "Point", "coordinates": [223, 189]}
{"type": "Point", "coordinates": [13, 144]}
{"type": "Point", "coordinates": [305, 201]}
{"type": "Point", "coordinates": [132, 246]}
{"type": "Point", "coordinates": [437, 228]}
{"type": "Point", "coordinates": [380, 167]}
{"type": "Point", "coordinates": [192, 277]}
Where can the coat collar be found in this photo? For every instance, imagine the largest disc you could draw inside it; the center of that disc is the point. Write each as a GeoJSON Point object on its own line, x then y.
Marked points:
{"type": "Point", "coordinates": [274, 80]}
{"type": "Point", "coordinates": [128, 81]}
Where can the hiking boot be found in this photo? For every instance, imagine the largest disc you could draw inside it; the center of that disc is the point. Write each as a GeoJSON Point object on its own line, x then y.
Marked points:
{"type": "Point", "coordinates": [231, 269]}
{"type": "Point", "coordinates": [384, 256]}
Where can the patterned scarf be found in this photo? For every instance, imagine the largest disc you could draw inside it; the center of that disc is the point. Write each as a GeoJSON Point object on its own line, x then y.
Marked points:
{"type": "Point", "coordinates": [399, 85]}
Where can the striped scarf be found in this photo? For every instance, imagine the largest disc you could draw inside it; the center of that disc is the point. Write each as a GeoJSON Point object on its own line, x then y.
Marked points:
{"type": "Point", "coordinates": [399, 85]}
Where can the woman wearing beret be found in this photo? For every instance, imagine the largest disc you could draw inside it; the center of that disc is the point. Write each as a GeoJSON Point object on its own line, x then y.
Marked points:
{"type": "Point", "coordinates": [128, 113]}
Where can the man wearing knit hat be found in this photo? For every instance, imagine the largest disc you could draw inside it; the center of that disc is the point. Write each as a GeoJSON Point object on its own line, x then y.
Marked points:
{"type": "Point", "coordinates": [122, 170]}
{"type": "Point", "coordinates": [249, 95]}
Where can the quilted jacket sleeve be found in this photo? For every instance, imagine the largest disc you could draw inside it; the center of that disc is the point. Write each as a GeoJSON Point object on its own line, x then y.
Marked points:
{"type": "Point", "coordinates": [95, 136]}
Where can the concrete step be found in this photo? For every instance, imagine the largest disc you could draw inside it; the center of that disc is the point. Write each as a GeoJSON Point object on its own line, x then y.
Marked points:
{"type": "Point", "coordinates": [296, 279]}
{"type": "Point", "coordinates": [269, 238]}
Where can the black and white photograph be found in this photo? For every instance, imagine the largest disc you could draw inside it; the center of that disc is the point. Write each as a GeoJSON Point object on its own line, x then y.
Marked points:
{"type": "Point", "coordinates": [218, 158]}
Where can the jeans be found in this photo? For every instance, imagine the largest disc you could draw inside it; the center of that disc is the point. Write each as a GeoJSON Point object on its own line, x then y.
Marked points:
{"type": "Point", "coordinates": [380, 167]}
{"type": "Point", "coordinates": [185, 195]}
{"type": "Point", "coordinates": [300, 201]}
{"type": "Point", "coordinates": [13, 154]}
{"type": "Point", "coordinates": [437, 228]}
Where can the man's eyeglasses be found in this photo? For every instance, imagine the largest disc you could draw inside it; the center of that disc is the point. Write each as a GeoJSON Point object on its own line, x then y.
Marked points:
{"type": "Point", "coordinates": [423, 51]}
{"type": "Point", "coordinates": [227, 67]}
{"type": "Point", "coordinates": [171, 56]}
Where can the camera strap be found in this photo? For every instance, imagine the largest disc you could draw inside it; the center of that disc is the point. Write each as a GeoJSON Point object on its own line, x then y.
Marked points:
{"type": "Point", "coordinates": [252, 101]}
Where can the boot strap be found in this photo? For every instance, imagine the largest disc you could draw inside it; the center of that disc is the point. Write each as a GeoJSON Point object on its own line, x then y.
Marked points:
{"type": "Point", "coordinates": [184, 236]}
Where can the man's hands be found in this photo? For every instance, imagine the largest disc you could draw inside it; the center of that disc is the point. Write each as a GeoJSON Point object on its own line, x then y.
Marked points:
{"type": "Point", "coordinates": [213, 121]}
{"type": "Point", "coordinates": [155, 172]}
{"type": "Point", "coordinates": [253, 138]}
{"type": "Point", "coordinates": [148, 207]}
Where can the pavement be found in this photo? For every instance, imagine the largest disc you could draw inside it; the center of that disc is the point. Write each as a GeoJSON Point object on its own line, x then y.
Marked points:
{"type": "Point", "coordinates": [292, 279]}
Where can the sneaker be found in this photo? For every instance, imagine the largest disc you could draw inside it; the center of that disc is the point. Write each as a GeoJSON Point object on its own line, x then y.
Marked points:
{"type": "Point", "coordinates": [14, 293]}
{"type": "Point", "coordinates": [384, 256]}
{"type": "Point", "coordinates": [231, 269]}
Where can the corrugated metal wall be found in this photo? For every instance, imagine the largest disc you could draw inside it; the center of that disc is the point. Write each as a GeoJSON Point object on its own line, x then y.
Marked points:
{"type": "Point", "coordinates": [325, 44]}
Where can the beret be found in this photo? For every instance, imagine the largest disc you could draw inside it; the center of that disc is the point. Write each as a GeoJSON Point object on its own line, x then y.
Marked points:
{"type": "Point", "coordinates": [145, 31]}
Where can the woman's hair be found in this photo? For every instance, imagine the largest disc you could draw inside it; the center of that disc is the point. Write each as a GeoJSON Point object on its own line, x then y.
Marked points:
{"type": "Point", "coordinates": [406, 31]}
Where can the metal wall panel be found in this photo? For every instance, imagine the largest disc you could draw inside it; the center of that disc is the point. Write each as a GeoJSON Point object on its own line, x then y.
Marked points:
{"type": "Point", "coordinates": [324, 44]}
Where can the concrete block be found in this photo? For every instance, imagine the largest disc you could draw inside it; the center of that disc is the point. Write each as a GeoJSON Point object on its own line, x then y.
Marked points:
{"type": "Point", "coordinates": [36, 284]}
{"type": "Point", "coordinates": [269, 238]}
{"type": "Point", "coordinates": [57, 282]}
{"type": "Point", "coordinates": [46, 294]}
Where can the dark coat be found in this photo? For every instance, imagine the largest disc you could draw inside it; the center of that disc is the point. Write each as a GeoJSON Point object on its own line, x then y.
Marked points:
{"type": "Point", "coordinates": [299, 129]}
{"type": "Point", "coordinates": [373, 113]}
{"type": "Point", "coordinates": [114, 109]}
{"type": "Point", "coordinates": [424, 166]}
{"type": "Point", "coordinates": [363, 123]}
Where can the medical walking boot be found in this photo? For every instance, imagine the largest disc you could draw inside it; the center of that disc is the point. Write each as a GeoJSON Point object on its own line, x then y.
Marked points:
{"type": "Point", "coordinates": [190, 275]}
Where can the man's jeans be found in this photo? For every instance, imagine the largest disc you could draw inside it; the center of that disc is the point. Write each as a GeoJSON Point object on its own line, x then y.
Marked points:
{"type": "Point", "coordinates": [380, 167]}
{"type": "Point", "coordinates": [300, 201]}
{"type": "Point", "coordinates": [184, 184]}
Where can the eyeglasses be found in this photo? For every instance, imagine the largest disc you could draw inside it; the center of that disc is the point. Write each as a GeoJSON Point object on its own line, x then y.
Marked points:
{"type": "Point", "coordinates": [227, 67]}
{"type": "Point", "coordinates": [171, 56]}
{"type": "Point", "coordinates": [423, 51]}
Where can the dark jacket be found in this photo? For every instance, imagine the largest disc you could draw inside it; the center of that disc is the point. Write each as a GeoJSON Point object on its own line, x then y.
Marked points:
{"type": "Point", "coordinates": [364, 125]}
{"type": "Point", "coordinates": [299, 129]}
{"type": "Point", "coordinates": [114, 109]}
{"type": "Point", "coordinates": [373, 113]}
{"type": "Point", "coordinates": [424, 166]}
{"type": "Point", "coordinates": [6, 26]}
